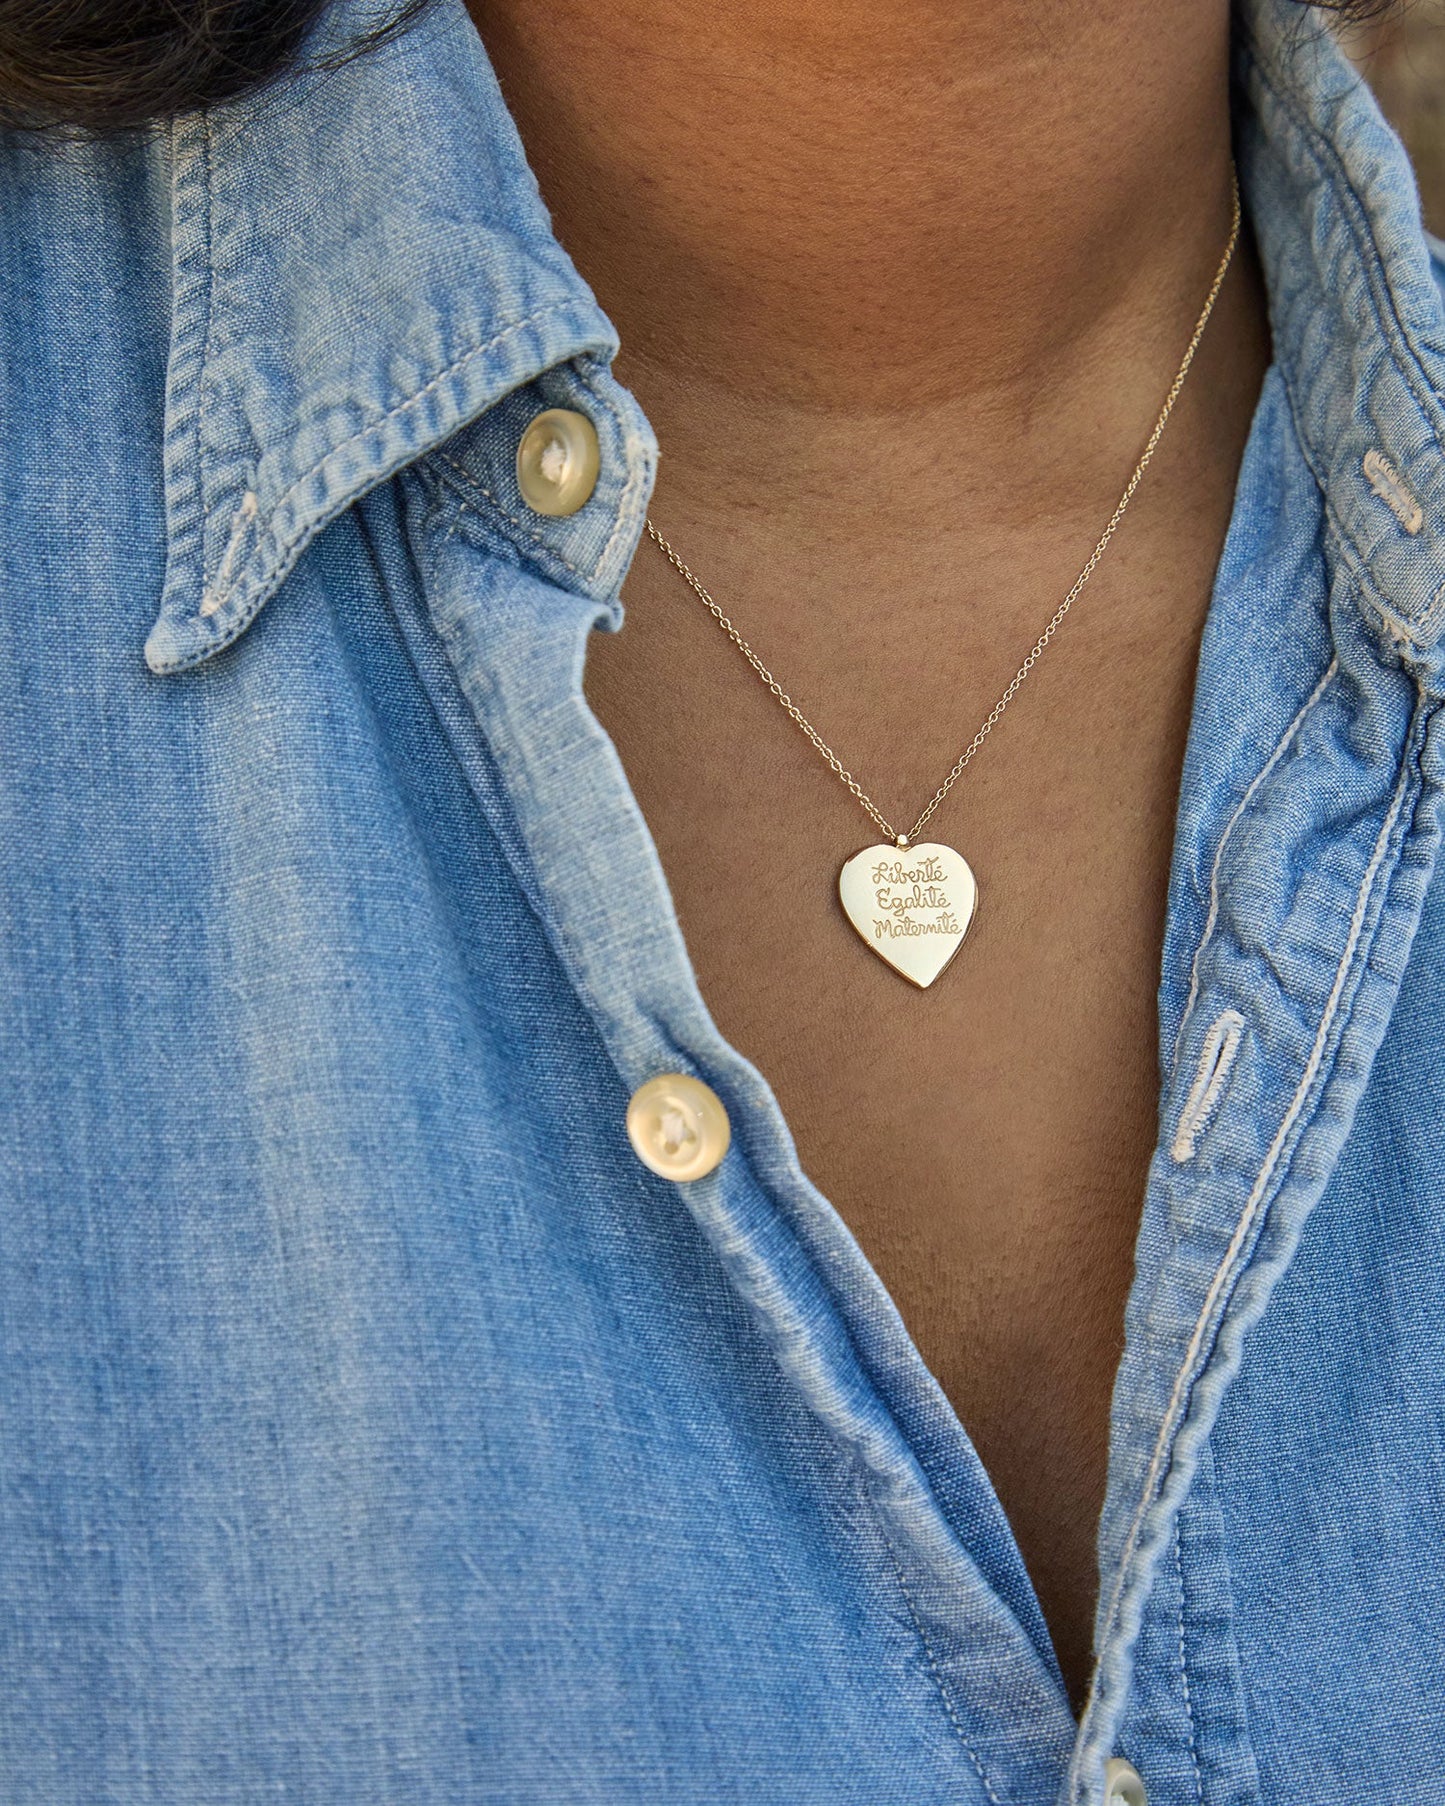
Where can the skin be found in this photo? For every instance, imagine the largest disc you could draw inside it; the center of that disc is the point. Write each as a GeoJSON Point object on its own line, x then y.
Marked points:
{"type": "Point", "coordinates": [901, 285]}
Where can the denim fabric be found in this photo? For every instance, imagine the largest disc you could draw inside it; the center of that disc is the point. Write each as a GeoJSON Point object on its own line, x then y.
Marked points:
{"type": "Point", "coordinates": [373, 1426]}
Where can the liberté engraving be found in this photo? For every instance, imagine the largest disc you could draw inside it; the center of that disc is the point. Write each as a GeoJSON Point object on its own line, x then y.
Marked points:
{"type": "Point", "coordinates": [912, 906]}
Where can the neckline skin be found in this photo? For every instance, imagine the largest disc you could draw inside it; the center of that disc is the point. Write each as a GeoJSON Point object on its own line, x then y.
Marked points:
{"type": "Point", "coordinates": [895, 251]}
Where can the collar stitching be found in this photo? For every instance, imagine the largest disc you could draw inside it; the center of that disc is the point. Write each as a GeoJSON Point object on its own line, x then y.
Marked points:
{"type": "Point", "coordinates": [194, 280]}
{"type": "Point", "coordinates": [281, 542]}
{"type": "Point", "coordinates": [470, 491]}
{"type": "Point", "coordinates": [637, 470]}
{"type": "Point", "coordinates": [277, 535]}
{"type": "Point", "coordinates": [458, 478]}
{"type": "Point", "coordinates": [1405, 357]}
{"type": "Point", "coordinates": [1402, 632]}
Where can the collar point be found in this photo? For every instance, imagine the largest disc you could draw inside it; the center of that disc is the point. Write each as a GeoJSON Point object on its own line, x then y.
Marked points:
{"type": "Point", "coordinates": [185, 636]}
{"type": "Point", "coordinates": [169, 648]}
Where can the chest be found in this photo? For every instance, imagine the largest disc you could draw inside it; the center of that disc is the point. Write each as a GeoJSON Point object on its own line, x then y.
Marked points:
{"type": "Point", "coordinates": [986, 1140]}
{"type": "Point", "coordinates": [973, 1129]}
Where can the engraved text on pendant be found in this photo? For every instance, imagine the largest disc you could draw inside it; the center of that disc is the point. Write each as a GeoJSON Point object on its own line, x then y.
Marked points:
{"type": "Point", "coordinates": [912, 905]}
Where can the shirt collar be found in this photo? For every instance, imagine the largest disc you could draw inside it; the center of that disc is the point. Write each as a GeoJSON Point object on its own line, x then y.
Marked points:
{"type": "Point", "coordinates": [1355, 307]}
{"type": "Point", "coordinates": [362, 264]}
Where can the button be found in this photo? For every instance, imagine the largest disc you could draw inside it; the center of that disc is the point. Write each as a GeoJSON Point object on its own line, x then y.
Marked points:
{"type": "Point", "coordinates": [1122, 1786]}
{"type": "Point", "coordinates": [557, 462]}
{"type": "Point", "coordinates": [677, 1126]}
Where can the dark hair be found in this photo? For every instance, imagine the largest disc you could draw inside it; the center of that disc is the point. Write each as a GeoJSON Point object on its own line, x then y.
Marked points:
{"type": "Point", "coordinates": [112, 64]}
{"type": "Point", "coordinates": [108, 64]}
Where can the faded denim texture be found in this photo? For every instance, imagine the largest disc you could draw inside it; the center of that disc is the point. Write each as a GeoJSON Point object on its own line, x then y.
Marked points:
{"type": "Point", "coordinates": [373, 1427]}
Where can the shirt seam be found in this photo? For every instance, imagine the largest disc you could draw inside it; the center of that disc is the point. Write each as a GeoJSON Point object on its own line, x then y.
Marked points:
{"type": "Point", "coordinates": [1398, 629]}
{"type": "Point", "coordinates": [1212, 921]}
{"type": "Point", "coordinates": [634, 474]}
{"type": "Point", "coordinates": [1184, 1671]}
{"type": "Point", "coordinates": [384, 420]}
{"type": "Point", "coordinates": [477, 748]}
{"type": "Point", "coordinates": [461, 479]}
{"type": "Point", "coordinates": [931, 1658]}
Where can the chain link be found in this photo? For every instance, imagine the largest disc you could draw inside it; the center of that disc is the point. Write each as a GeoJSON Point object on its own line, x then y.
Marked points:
{"type": "Point", "coordinates": [835, 764]}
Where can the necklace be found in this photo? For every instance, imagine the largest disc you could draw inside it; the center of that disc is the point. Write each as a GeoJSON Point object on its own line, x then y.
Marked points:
{"type": "Point", "coordinates": [912, 901]}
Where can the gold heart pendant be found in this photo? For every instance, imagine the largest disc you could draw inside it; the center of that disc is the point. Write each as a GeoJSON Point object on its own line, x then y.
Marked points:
{"type": "Point", "coordinates": [912, 905]}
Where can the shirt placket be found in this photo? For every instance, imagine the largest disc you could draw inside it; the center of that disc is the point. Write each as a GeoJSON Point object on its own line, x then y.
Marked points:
{"type": "Point", "coordinates": [516, 643]}
{"type": "Point", "coordinates": [1315, 886]}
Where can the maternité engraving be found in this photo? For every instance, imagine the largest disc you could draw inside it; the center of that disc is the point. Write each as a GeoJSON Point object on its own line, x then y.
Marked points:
{"type": "Point", "coordinates": [891, 928]}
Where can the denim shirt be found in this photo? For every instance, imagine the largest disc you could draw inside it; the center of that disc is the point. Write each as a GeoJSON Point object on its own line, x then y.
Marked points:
{"type": "Point", "coordinates": [374, 1426]}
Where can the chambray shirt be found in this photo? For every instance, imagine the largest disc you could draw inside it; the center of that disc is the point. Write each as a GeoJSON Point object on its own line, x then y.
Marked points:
{"type": "Point", "coordinates": [374, 1426]}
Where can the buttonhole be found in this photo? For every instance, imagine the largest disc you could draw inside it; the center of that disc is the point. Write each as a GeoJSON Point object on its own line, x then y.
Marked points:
{"type": "Point", "coordinates": [215, 597]}
{"type": "Point", "coordinates": [1393, 490]}
{"type": "Point", "coordinates": [1216, 1060]}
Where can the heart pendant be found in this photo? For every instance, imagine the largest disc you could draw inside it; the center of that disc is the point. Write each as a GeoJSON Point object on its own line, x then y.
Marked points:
{"type": "Point", "coordinates": [912, 905]}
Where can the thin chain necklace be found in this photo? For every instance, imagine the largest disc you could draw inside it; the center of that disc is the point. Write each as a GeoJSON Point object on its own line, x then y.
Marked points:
{"type": "Point", "coordinates": [912, 901]}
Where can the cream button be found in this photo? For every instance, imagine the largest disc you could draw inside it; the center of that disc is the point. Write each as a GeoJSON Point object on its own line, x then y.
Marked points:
{"type": "Point", "coordinates": [557, 461]}
{"type": "Point", "coordinates": [677, 1126]}
{"type": "Point", "coordinates": [1122, 1786]}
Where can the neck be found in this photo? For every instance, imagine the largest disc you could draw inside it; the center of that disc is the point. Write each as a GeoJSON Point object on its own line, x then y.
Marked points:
{"type": "Point", "coordinates": [810, 218]}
